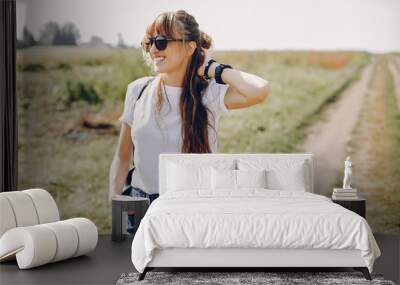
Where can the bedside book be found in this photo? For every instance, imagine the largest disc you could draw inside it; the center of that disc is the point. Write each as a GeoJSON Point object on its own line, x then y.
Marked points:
{"type": "Point", "coordinates": [345, 190]}
{"type": "Point", "coordinates": [345, 194]}
{"type": "Point", "coordinates": [335, 197]}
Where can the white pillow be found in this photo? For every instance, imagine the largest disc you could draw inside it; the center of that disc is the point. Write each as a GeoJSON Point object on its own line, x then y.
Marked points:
{"type": "Point", "coordinates": [236, 179]}
{"type": "Point", "coordinates": [281, 174]}
{"type": "Point", "coordinates": [182, 177]}
{"type": "Point", "coordinates": [288, 177]}
{"type": "Point", "coordinates": [251, 178]}
{"type": "Point", "coordinates": [223, 179]}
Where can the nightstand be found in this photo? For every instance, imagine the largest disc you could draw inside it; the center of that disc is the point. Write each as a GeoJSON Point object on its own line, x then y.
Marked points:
{"type": "Point", "coordinates": [121, 204]}
{"type": "Point", "coordinates": [357, 205]}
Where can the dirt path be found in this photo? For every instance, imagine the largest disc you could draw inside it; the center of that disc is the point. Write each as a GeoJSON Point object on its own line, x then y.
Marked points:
{"type": "Point", "coordinates": [328, 138]}
{"type": "Point", "coordinates": [396, 77]}
{"type": "Point", "coordinates": [376, 152]}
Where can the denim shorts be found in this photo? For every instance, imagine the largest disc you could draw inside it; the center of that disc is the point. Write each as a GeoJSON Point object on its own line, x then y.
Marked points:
{"type": "Point", "coordinates": [136, 192]}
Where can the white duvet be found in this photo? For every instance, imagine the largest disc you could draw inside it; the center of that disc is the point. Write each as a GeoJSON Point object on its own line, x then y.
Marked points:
{"type": "Point", "coordinates": [251, 218]}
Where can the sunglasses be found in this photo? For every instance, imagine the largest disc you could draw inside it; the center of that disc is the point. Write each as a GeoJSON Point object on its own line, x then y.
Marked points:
{"type": "Point", "coordinates": [161, 42]}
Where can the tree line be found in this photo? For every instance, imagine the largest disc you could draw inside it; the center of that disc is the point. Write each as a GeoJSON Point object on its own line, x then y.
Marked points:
{"type": "Point", "coordinates": [54, 33]}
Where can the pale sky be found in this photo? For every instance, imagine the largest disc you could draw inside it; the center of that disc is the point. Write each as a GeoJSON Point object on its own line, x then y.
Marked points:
{"type": "Point", "coordinates": [372, 25]}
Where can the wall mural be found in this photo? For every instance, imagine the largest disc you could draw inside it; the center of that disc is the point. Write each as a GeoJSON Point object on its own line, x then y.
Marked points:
{"type": "Point", "coordinates": [333, 103]}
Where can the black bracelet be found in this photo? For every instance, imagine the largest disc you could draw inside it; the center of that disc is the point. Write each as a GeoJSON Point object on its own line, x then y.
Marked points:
{"type": "Point", "coordinates": [207, 67]}
{"type": "Point", "coordinates": [218, 72]}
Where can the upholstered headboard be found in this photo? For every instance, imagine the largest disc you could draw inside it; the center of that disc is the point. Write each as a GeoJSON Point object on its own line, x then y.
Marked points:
{"type": "Point", "coordinates": [231, 159]}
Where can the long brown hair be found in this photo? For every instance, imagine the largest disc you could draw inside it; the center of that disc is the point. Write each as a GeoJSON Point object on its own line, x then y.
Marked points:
{"type": "Point", "coordinates": [193, 112]}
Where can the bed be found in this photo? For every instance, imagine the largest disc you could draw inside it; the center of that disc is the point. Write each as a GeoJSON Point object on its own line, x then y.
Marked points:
{"type": "Point", "coordinates": [247, 210]}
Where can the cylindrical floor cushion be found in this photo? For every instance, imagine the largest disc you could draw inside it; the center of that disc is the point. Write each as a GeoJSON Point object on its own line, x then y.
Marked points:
{"type": "Point", "coordinates": [31, 232]}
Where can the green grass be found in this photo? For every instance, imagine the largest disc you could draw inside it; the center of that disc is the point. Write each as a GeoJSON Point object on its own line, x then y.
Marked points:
{"type": "Point", "coordinates": [31, 67]}
{"type": "Point", "coordinates": [390, 198]}
{"type": "Point", "coordinates": [298, 95]}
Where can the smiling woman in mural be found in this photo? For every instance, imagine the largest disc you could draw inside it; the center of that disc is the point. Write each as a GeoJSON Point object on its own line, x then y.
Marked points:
{"type": "Point", "coordinates": [198, 91]}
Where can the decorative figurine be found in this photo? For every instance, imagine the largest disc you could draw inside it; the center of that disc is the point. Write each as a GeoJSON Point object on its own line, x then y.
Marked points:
{"type": "Point", "coordinates": [347, 174]}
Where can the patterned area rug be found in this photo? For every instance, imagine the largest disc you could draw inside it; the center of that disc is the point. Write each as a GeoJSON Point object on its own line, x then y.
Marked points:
{"type": "Point", "coordinates": [230, 278]}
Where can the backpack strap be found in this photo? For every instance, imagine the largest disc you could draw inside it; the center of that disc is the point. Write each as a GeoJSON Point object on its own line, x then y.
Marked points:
{"type": "Point", "coordinates": [144, 87]}
{"type": "Point", "coordinates": [129, 176]}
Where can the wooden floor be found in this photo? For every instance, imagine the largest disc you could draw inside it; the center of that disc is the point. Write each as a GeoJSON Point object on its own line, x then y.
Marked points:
{"type": "Point", "coordinates": [111, 259]}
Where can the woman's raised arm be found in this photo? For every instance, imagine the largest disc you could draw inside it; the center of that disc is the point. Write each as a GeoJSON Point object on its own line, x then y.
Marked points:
{"type": "Point", "coordinates": [244, 90]}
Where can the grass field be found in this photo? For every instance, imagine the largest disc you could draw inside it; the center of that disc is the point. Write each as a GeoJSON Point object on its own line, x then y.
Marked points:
{"type": "Point", "coordinates": [301, 86]}
{"type": "Point", "coordinates": [66, 94]}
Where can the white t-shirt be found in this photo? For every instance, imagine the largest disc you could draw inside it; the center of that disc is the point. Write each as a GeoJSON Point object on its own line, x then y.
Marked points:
{"type": "Point", "coordinates": [149, 138]}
